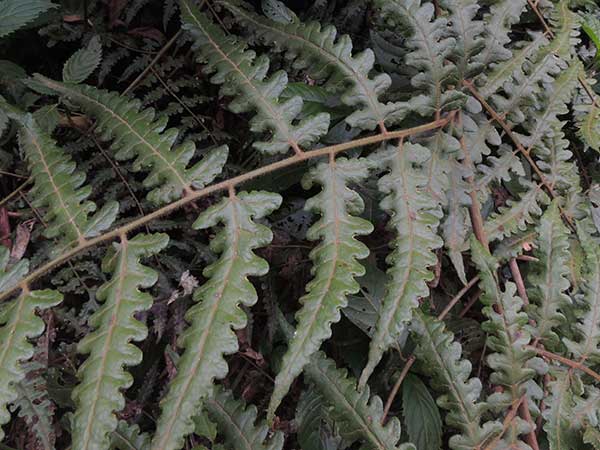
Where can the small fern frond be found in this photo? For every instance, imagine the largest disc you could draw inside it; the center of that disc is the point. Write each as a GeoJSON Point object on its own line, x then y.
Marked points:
{"type": "Point", "coordinates": [430, 48]}
{"type": "Point", "coordinates": [11, 275]}
{"type": "Point", "coordinates": [217, 311]}
{"type": "Point", "coordinates": [18, 324]}
{"type": "Point", "coordinates": [103, 376]}
{"type": "Point", "coordinates": [497, 25]}
{"type": "Point", "coordinates": [335, 263]}
{"type": "Point", "coordinates": [508, 336]}
{"type": "Point", "coordinates": [559, 411]}
{"type": "Point", "coordinates": [139, 133]}
{"type": "Point", "coordinates": [468, 33]}
{"type": "Point", "coordinates": [357, 414]}
{"type": "Point", "coordinates": [34, 405]}
{"type": "Point", "coordinates": [236, 422]}
{"type": "Point", "coordinates": [548, 277]}
{"type": "Point", "coordinates": [58, 187]}
{"type": "Point", "coordinates": [243, 76]}
{"type": "Point", "coordinates": [517, 214]}
{"type": "Point", "coordinates": [587, 327]}
{"type": "Point", "coordinates": [328, 57]}
{"type": "Point", "coordinates": [129, 437]}
{"type": "Point", "coordinates": [415, 217]}
{"type": "Point", "coordinates": [441, 357]}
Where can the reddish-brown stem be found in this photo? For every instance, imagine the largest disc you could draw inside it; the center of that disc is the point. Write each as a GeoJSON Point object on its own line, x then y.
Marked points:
{"type": "Point", "coordinates": [223, 185]}
{"type": "Point", "coordinates": [506, 423]}
{"type": "Point", "coordinates": [388, 404]}
{"type": "Point", "coordinates": [565, 361]}
{"type": "Point", "coordinates": [516, 273]}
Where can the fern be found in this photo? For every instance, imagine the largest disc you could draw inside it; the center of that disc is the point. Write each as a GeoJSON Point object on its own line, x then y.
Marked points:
{"type": "Point", "coordinates": [441, 356]}
{"type": "Point", "coordinates": [548, 278]}
{"type": "Point", "coordinates": [415, 218]}
{"type": "Point", "coordinates": [102, 375]}
{"type": "Point", "coordinates": [335, 264]}
{"type": "Point", "coordinates": [244, 76]}
{"type": "Point", "coordinates": [509, 334]}
{"type": "Point", "coordinates": [139, 134]}
{"type": "Point", "coordinates": [587, 328]}
{"type": "Point", "coordinates": [34, 405]}
{"type": "Point", "coordinates": [238, 424]}
{"type": "Point", "coordinates": [18, 323]}
{"type": "Point", "coordinates": [210, 335]}
{"type": "Point", "coordinates": [328, 57]}
{"type": "Point", "coordinates": [58, 187]}
{"type": "Point", "coordinates": [357, 414]}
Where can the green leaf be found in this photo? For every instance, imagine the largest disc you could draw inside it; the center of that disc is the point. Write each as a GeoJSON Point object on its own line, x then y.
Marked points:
{"type": "Point", "coordinates": [592, 436]}
{"type": "Point", "coordinates": [217, 312]}
{"type": "Point", "coordinates": [18, 324]}
{"type": "Point", "coordinates": [34, 406]}
{"type": "Point", "coordinates": [236, 422]}
{"type": "Point", "coordinates": [415, 216]}
{"type": "Point", "coordinates": [141, 134]}
{"type": "Point", "coordinates": [591, 26]}
{"type": "Point", "coordinates": [58, 186]}
{"type": "Point", "coordinates": [357, 414]}
{"type": "Point", "coordinates": [315, 428]}
{"type": "Point", "coordinates": [548, 278]}
{"type": "Point", "coordinates": [421, 415]}
{"type": "Point", "coordinates": [586, 347]}
{"type": "Point", "coordinates": [15, 14]}
{"type": "Point", "coordinates": [335, 264]}
{"type": "Point", "coordinates": [328, 57]}
{"type": "Point", "coordinates": [11, 275]}
{"type": "Point", "coordinates": [129, 437]}
{"type": "Point", "coordinates": [441, 359]}
{"type": "Point", "coordinates": [103, 375]}
{"type": "Point", "coordinates": [243, 75]}
{"type": "Point", "coordinates": [83, 62]}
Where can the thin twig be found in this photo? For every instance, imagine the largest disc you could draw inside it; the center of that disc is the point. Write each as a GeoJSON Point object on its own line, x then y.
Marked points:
{"type": "Point", "coordinates": [516, 273]}
{"type": "Point", "coordinates": [223, 185]}
{"type": "Point", "coordinates": [458, 296]}
{"type": "Point", "coordinates": [388, 404]}
{"type": "Point", "coordinates": [16, 191]}
{"type": "Point", "coordinates": [506, 423]}
{"type": "Point", "coordinates": [157, 58]}
{"type": "Point", "coordinates": [565, 361]}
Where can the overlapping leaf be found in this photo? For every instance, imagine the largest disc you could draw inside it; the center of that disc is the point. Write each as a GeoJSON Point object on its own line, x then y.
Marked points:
{"type": "Point", "coordinates": [217, 312]}
{"type": "Point", "coordinates": [140, 134]}
{"type": "Point", "coordinates": [243, 76]}
{"type": "Point", "coordinates": [103, 375]}
{"type": "Point", "coordinates": [335, 263]}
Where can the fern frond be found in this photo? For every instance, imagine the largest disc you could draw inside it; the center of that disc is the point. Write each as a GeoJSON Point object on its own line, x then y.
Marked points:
{"type": "Point", "coordinates": [415, 217]}
{"type": "Point", "coordinates": [335, 263]}
{"type": "Point", "coordinates": [34, 405]}
{"type": "Point", "coordinates": [430, 48]}
{"type": "Point", "coordinates": [129, 437]}
{"type": "Point", "coordinates": [236, 422]}
{"type": "Point", "coordinates": [243, 76]}
{"type": "Point", "coordinates": [468, 33]}
{"type": "Point", "coordinates": [58, 187]}
{"type": "Point", "coordinates": [328, 57]}
{"type": "Point", "coordinates": [18, 324]}
{"type": "Point", "coordinates": [103, 375]}
{"type": "Point", "coordinates": [559, 411]}
{"type": "Point", "coordinates": [441, 357]}
{"type": "Point", "coordinates": [357, 414]}
{"type": "Point", "coordinates": [217, 311]}
{"type": "Point", "coordinates": [517, 215]}
{"type": "Point", "coordinates": [587, 327]}
{"type": "Point", "coordinates": [497, 26]}
{"type": "Point", "coordinates": [508, 336]}
{"type": "Point", "coordinates": [139, 133]}
{"type": "Point", "coordinates": [11, 275]}
{"type": "Point", "coordinates": [548, 277]}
